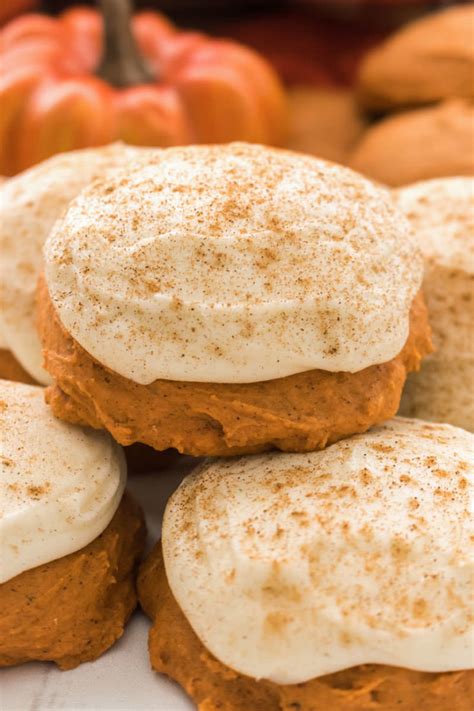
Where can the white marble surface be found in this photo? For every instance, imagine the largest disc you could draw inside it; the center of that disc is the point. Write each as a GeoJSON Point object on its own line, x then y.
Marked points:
{"type": "Point", "coordinates": [120, 680]}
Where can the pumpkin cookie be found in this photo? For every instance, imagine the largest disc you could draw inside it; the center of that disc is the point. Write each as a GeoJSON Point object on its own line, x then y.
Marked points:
{"type": "Point", "coordinates": [442, 214]}
{"type": "Point", "coordinates": [231, 299]}
{"type": "Point", "coordinates": [325, 122]}
{"type": "Point", "coordinates": [300, 412]}
{"type": "Point", "coordinates": [70, 538]}
{"type": "Point", "coordinates": [426, 61]}
{"type": "Point", "coordinates": [31, 203]}
{"type": "Point", "coordinates": [426, 143]}
{"type": "Point", "coordinates": [331, 580]}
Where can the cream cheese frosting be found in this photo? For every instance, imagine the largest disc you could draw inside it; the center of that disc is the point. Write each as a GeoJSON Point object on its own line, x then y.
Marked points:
{"type": "Point", "coordinates": [30, 203]}
{"type": "Point", "coordinates": [293, 566]}
{"type": "Point", "coordinates": [441, 212]}
{"type": "Point", "coordinates": [233, 264]}
{"type": "Point", "coordinates": [60, 485]}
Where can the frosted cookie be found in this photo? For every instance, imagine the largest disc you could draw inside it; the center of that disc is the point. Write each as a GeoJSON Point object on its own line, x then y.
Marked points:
{"type": "Point", "coordinates": [430, 142]}
{"type": "Point", "coordinates": [30, 203]}
{"type": "Point", "coordinates": [442, 214]}
{"type": "Point", "coordinates": [338, 580]}
{"type": "Point", "coordinates": [231, 299]}
{"type": "Point", "coordinates": [70, 538]}
{"type": "Point", "coordinates": [426, 61]}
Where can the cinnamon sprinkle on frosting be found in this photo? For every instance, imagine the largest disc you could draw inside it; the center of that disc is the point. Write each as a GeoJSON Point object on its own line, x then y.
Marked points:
{"type": "Point", "coordinates": [234, 263]}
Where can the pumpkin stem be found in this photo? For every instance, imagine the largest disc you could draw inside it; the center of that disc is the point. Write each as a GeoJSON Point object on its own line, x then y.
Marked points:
{"type": "Point", "coordinates": [121, 64]}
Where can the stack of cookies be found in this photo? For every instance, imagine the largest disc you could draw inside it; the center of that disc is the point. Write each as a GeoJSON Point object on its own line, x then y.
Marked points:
{"type": "Point", "coordinates": [422, 80]}
{"type": "Point", "coordinates": [261, 308]}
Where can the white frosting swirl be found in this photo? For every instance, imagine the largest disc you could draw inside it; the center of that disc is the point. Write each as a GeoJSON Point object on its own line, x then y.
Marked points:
{"type": "Point", "coordinates": [60, 485]}
{"type": "Point", "coordinates": [30, 204]}
{"type": "Point", "coordinates": [233, 263]}
{"type": "Point", "coordinates": [292, 566]}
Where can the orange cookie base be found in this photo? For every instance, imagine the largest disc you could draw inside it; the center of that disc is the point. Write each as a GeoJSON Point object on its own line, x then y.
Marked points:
{"type": "Point", "coordinates": [10, 369]}
{"type": "Point", "coordinates": [140, 458]}
{"type": "Point", "coordinates": [73, 609]}
{"type": "Point", "coordinates": [177, 652]}
{"type": "Point", "coordinates": [302, 412]}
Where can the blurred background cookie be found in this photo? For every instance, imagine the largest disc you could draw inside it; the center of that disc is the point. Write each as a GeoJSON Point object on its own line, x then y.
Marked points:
{"type": "Point", "coordinates": [426, 61]}
{"type": "Point", "coordinates": [442, 215]}
{"type": "Point", "coordinates": [325, 122]}
{"type": "Point", "coordinates": [425, 72]}
{"type": "Point", "coordinates": [405, 147]}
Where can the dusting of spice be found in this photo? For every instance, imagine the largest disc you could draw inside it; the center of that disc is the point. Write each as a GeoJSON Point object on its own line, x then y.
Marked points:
{"type": "Point", "coordinates": [60, 485]}
{"type": "Point", "coordinates": [234, 263]}
{"type": "Point", "coordinates": [292, 566]}
{"type": "Point", "coordinates": [31, 203]}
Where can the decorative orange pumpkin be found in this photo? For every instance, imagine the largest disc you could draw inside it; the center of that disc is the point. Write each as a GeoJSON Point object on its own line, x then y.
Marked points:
{"type": "Point", "coordinates": [85, 80]}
